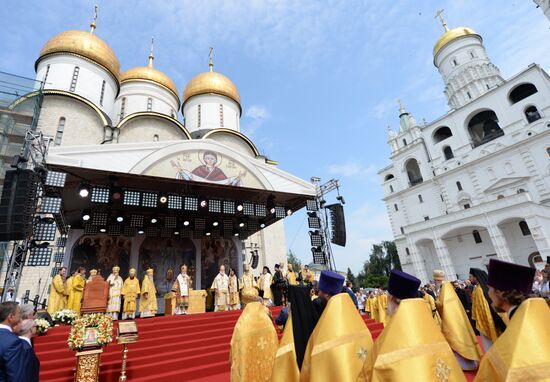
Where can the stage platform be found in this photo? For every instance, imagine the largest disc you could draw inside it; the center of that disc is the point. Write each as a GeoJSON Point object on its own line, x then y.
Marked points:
{"type": "Point", "coordinates": [177, 348]}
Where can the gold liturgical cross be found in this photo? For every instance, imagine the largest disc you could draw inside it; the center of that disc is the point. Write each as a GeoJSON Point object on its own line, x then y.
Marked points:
{"type": "Point", "coordinates": [442, 371]}
{"type": "Point", "coordinates": [261, 343]}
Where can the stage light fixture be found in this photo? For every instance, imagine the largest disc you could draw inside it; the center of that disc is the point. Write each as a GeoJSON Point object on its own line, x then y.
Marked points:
{"type": "Point", "coordinates": [215, 206]}
{"type": "Point", "coordinates": [215, 224]}
{"type": "Point", "coordinates": [176, 232]}
{"type": "Point", "coordinates": [116, 193]}
{"type": "Point", "coordinates": [129, 231]}
{"type": "Point", "coordinates": [175, 202]}
{"type": "Point", "coordinates": [114, 230]}
{"type": "Point", "coordinates": [186, 223]}
{"type": "Point", "coordinates": [154, 220]}
{"type": "Point", "coordinates": [84, 190]}
{"type": "Point", "coordinates": [170, 222]}
{"type": "Point", "coordinates": [55, 179]}
{"type": "Point", "coordinates": [163, 199]}
{"type": "Point", "coordinates": [236, 233]}
{"type": "Point", "coordinates": [39, 257]}
{"type": "Point", "coordinates": [151, 231]}
{"type": "Point", "coordinates": [313, 221]}
{"type": "Point", "coordinates": [262, 225]}
{"type": "Point", "coordinates": [315, 238]}
{"type": "Point", "coordinates": [131, 198]}
{"type": "Point", "coordinates": [149, 199]}
{"type": "Point", "coordinates": [100, 195]}
{"type": "Point", "coordinates": [241, 224]}
{"type": "Point", "coordinates": [318, 256]}
{"type": "Point", "coordinates": [165, 233]}
{"type": "Point", "coordinates": [59, 256]}
{"type": "Point", "coordinates": [90, 229]}
{"type": "Point", "coordinates": [322, 203]}
{"type": "Point", "coordinates": [280, 212]}
{"type": "Point", "coordinates": [141, 232]}
{"type": "Point", "coordinates": [120, 218]}
{"type": "Point", "coordinates": [207, 233]}
{"type": "Point", "coordinates": [61, 241]}
{"type": "Point", "coordinates": [191, 203]}
{"type": "Point", "coordinates": [340, 198]}
{"type": "Point", "coordinates": [86, 216]}
{"type": "Point", "coordinates": [248, 209]}
{"type": "Point", "coordinates": [261, 210]}
{"type": "Point", "coordinates": [99, 218]}
{"type": "Point", "coordinates": [102, 230]}
{"type": "Point", "coordinates": [204, 203]}
{"type": "Point", "coordinates": [228, 224]}
{"type": "Point", "coordinates": [200, 224]}
{"type": "Point", "coordinates": [50, 205]}
{"type": "Point", "coordinates": [311, 205]}
{"type": "Point", "coordinates": [44, 231]}
{"type": "Point", "coordinates": [240, 207]}
{"type": "Point", "coordinates": [136, 221]}
{"type": "Point", "coordinates": [288, 212]}
{"type": "Point", "coordinates": [228, 207]}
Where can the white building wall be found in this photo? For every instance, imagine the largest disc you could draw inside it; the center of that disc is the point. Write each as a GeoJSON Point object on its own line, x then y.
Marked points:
{"type": "Point", "coordinates": [210, 115]}
{"type": "Point", "coordinates": [89, 81]}
{"type": "Point", "coordinates": [149, 129]}
{"type": "Point", "coordinates": [137, 94]}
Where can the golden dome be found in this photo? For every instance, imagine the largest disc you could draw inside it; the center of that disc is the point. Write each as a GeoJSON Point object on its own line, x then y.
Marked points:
{"type": "Point", "coordinates": [149, 73]}
{"type": "Point", "coordinates": [85, 44]}
{"type": "Point", "coordinates": [211, 82]}
{"type": "Point", "coordinates": [451, 35]}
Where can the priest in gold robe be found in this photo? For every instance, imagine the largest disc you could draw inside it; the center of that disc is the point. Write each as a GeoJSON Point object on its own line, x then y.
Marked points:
{"type": "Point", "coordinates": [285, 368]}
{"type": "Point", "coordinates": [234, 300]}
{"type": "Point", "coordinates": [77, 290]}
{"type": "Point", "coordinates": [181, 288]}
{"type": "Point", "coordinates": [291, 275]}
{"type": "Point", "coordinates": [253, 345]}
{"type": "Point", "coordinates": [220, 286]}
{"type": "Point", "coordinates": [382, 305]}
{"type": "Point", "coordinates": [130, 291]}
{"type": "Point", "coordinates": [488, 322]}
{"type": "Point", "coordinates": [93, 273]}
{"type": "Point", "coordinates": [148, 302]}
{"type": "Point", "coordinates": [264, 284]}
{"type": "Point", "coordinates": [411, 347]}
{"type": "Point", "coordinates": [457, 329]}
{"type": "Point", "coordinates": [522, 352]}
{"type": "Point", "coordinates": [249, 291]}
{"type": "Point", "coordinates": [58, 292]}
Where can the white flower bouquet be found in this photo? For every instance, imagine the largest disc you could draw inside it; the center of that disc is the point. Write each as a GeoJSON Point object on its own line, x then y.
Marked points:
{"type": "Point", "coordinates": [65, 316]}
{"type": "Point", "coordinates": [42, 326]}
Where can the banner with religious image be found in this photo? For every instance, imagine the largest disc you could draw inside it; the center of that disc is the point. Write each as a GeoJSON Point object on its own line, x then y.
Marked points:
{"type": "Point", "coordinates": [102, 252]}
{"type": "Point", "coordinates": [215, 253]}
{"type": "Point", "coordinates": [205, 166]}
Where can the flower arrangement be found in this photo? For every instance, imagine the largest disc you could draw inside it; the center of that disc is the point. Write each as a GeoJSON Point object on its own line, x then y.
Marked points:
{"type": "Point", "coordinates": [65, 317]}
{"type": "Point", "coordinates": [42, 326]}
{"type": "Point", "coordinates": [103, 324]}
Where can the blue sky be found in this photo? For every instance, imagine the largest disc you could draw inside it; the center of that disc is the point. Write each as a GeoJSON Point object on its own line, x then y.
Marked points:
{"type": "Point", "coordinates": [318, 79]}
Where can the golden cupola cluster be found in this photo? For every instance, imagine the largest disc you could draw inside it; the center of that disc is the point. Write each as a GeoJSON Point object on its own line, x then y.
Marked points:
{"type": "Point", "coordinates": [90, 47]}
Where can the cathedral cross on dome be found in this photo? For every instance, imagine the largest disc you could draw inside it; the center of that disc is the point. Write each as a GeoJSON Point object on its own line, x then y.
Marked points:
{"type": "Point", "coordinates": [151, 55]}
{"type": "Point", "coordinates": [210, 62]}
{"type": "Point", "coordinates": [93, 24]}
{"type": "Point", "coordinates": [439, 15]}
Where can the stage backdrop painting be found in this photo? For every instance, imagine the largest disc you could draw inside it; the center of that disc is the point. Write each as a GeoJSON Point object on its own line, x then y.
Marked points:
{"type": "Point", "coordinates": [165, 256]}
{"type": "Point", "coordinates": [205, 166]}
{"type": "Point", "coordinates": [215, 253]}
{"type": "Point", "coordinates": [102, 252]}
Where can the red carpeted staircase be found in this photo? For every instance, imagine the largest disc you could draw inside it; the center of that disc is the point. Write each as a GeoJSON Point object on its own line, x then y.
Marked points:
{"type": "Point", "coordinates": [178, 348]}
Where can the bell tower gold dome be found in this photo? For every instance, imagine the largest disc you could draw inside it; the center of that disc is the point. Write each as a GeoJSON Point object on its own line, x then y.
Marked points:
{"type": "Point", "coordinates": [149, 73]}
{"type": "Point", "coordinates": [451, 35]}
{"type": "Point", "coordinates": [82, 44]}
{"type": "Point", "coordinates": [211, 82]}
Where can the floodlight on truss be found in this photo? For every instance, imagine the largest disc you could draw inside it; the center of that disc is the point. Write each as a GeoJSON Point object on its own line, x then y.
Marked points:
{"type": "Point", "coordinates": [100, 195]}
{"type": "Point", "coordinates": [215, 206]}
{"type": "Point", "coordinates": [311, 205]}
{"type": "Point", "coordinates": [316, 239]}
{"type": "Point", "coordinates": [175, 202]}
{"type": "Point", "coordinates": [59, 256]}
{"type": "Point", "coordinates": [131, 198]}
{"type": "Point", "coordinates": [261, 210]}
{"type": "Point", "coordinates": [191, 203]}
{"type": "Point", "coordinates": [39, 257]}
{"type": "Point", "coordinates": [248, 209]}
{"type": "Point", "coordinates": [44, 231]}
{"type": "Point", "coordinates": [50, 205]}
{"type": "Point", "coordinates": [313, 220]}
{"type": "Point", "coordinates": [61, 241]}
{"type": "Point", "coordinates": [280, 212]}
{"type": "Point", "coordinates": [55, 179]}
{"type": "Point", "coordinates": [149, 199]}
{"type": "Point", "coordinates": [228, 207]}
{"type": "Point", "coordinates": [318, 256]}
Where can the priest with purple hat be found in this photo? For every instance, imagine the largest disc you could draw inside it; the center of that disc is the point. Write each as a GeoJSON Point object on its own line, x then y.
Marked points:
{"type": "Point", "coordinates": [523, 350]}
{"type": "Point", "coordinates": [401, 286]}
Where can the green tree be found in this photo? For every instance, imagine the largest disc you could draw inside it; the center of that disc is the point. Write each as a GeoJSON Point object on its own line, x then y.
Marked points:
{"type": "Point", "coordinates": [376, 269]}
{"type": "Point", "coordinates": [350, 277]}
{"type": "Point", "coordinates": [292, 259]}
{"type": "Point", "coordinates": [391, 253]}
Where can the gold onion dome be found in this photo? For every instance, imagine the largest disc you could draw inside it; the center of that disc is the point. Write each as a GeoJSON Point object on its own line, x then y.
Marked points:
{"type": "Point", "coordinates": [149, 73]}
{"type": "Point", "coordinates": [84, 44]}
{"type": "Point", "coordinates": [211, 82]}
{"type": "Point", "coordinates": [451, 35]}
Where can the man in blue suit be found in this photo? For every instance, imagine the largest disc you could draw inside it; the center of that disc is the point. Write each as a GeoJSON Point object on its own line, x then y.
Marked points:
{"type": "Point", "coordinates": [12, 351]}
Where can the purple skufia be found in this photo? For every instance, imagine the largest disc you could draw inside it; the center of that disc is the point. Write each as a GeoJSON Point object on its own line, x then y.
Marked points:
{"type": "Point", "coordinates": [506, 276]}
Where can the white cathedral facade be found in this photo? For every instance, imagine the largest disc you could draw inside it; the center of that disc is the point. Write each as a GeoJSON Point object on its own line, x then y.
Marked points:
{"type": "Point", "coordinates": [475, 183]}
{"type": "Point", "coordinates": [127, 122]}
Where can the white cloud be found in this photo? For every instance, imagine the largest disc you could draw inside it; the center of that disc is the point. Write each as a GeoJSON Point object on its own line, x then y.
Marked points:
{"type": "Point", "coordinates": [257, 112]}
{"type": "Point", "coordinates": [346, 169]}
{"type": "Point", "coordinates": [255, 116]}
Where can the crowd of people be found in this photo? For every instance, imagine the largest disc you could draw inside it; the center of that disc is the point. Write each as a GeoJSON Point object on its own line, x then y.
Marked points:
{"type": "Point", "coordinates": [494, 324]}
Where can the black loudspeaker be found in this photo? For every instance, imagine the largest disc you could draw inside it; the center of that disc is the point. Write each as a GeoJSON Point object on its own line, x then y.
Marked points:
{"type": "Point", "coordinates": [338, 224]}
{"type": "Point", "coordinates": [18, 204]}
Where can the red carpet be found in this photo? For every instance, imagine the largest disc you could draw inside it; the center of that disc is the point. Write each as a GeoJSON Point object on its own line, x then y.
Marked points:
{"type": "Point", "coordinates": [191, 348]}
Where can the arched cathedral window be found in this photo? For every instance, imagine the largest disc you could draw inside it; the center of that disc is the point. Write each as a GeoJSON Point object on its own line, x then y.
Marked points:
{"type": "Point", "coordinates": [532, 114]}
{"type": "Point", "coordinates": [74, 79]}
{"type": "Point", "coordinates": [59, 132]}
{"type": "Point", "coordinates": [521, 92]}
{"type": "Point", "coordinates": [524, 228]}
{"type": "Point", "coordinates": [483, 127]}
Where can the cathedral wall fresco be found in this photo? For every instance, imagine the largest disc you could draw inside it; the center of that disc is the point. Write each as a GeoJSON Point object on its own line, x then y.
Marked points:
{"type": "Point", "coordinates": [215, 253]}
{"type": "Point", "coordinates": [102, 252]}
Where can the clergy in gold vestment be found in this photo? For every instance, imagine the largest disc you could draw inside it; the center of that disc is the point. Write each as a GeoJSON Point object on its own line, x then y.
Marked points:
{"type": "Point", "coordinates": [221, 291]}
{"type": "Point", "coordinates": [234, 300]}
{"type": "Point", "coordinates": [339, 345]}
{"type": "Point", "coordinates": [285, 368]}
{"type": "Point", "coordinates": [291, 275]}
{"type": "Point", "coordinates": [130, 291]}
{"type": "Point", "coordinates": [522, 352]}
{"type": "Point", "coordinates": [115, 287]}
{"type": "Point", "coordinates": [76, 291]}
{"type": "Point", "coordinates": [148, 302]}
{"type": "Point", "coordinates": [249, 293]}
{"type": "Point", "coordinates": [264, 283]}
{"type": "Point", "coordinates": [457, 329]}
{"type": "Point", "coordinates": [411, 348]}
{"type": "Point", "coordinates": [382, 305]}
{"type": "Point", "coordinates": [430, 303]}
{"type": "Point", "coordinates": [253, 345]}
{"type": "Point", "coordinates": [58, 292]}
